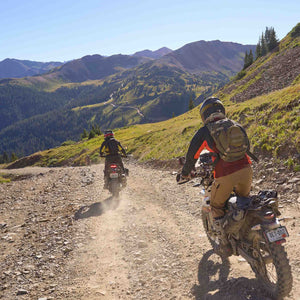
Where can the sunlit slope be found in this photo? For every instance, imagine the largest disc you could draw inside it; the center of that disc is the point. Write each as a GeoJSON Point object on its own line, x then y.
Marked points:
{"type": "Point", "coordinates": [272, 122]}
{"type": "Point", "coordinates": [274, 71]}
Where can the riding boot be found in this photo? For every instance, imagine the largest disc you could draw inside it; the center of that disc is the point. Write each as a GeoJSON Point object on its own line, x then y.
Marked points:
{"type": "Point", "coordinates": [224, 248]}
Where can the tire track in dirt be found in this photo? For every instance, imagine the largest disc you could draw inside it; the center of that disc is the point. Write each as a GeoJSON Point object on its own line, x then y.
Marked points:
{"type": "Point", "coordinates": [152, 246]}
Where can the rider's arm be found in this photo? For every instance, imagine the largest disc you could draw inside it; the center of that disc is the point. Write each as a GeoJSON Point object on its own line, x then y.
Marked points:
{"type": "Point", "coordinates": [198, 143]}
{"type": "Point", "coordinates": [122, 149]}
{"type": "Point", "coordinates": [101, 148]}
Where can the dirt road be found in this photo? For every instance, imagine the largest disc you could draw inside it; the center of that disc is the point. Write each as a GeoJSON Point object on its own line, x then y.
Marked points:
{"type": "Point", "coordinates": [152, 246]}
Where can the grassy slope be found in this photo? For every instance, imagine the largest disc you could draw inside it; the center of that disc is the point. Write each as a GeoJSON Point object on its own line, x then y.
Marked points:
{"type": "Point", "coordinates": [272, 122]}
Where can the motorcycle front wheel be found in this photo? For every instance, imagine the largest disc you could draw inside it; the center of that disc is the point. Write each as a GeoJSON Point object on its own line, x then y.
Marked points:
{"type": "Point", "coordinates": [274, 271]}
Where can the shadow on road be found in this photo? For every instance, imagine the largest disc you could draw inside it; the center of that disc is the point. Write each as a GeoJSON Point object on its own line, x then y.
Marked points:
{"type": "Point", "coordinates": [214, 283]}
{"type": "Point", "coordinates": [97, 209]}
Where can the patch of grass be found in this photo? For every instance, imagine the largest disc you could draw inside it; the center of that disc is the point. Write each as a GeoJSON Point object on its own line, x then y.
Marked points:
{"type": "Point", "coordinates": [4, 180]}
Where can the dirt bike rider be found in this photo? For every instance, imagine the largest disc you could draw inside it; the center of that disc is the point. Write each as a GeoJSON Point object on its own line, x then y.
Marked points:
{"type": "Point", "coordinates": [111, 148]}
{"type": "Point", "coordinates": [228, 175]}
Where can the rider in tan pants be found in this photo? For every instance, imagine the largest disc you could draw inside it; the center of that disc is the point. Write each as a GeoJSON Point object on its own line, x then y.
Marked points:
{"type": "Point", "coordinates": [240, 181]}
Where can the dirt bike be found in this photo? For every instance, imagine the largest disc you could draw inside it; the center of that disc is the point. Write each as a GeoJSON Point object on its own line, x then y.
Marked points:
{"type": "Point", "coordinates": [253, 230]}
{"type": "Point", "coordinates": [116, 178]}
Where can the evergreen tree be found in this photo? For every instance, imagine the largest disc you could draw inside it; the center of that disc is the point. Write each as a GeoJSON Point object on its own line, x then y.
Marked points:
{"type": "Point", "coordinates": [273, 41]}
{"type": "Point", "coordinates": [258, 50]}
{"type": "Point", "coordinates": [267, 37]}
{"type": "Point", "coordinates": [13, 157]}
{"type": "Point", "coordinates": [264, 49]}
{"type": "Point", "coordinates": [250, 58]}
{"type": "Point", "coordinates": [84, 135]}
{"type": "Point", "coordinates": [5, 157]}
{"type": "Point", "coordinates": [92, 134]}
{"type": "Point", "coordinates": [245, 60]}
{"type": "Point", "coordinates": [191, 103]}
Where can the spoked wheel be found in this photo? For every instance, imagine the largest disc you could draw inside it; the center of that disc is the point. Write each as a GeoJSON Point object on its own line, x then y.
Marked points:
{"type": "Point", "coordinates": [209, 230]}
{"type": "Point", "coordinates": [274, 270]}
{"type": "Point", "coordinates": [115, 188]}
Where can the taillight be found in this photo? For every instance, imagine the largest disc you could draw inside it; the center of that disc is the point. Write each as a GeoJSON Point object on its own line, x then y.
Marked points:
{"type": "Point", "coordinates": [113, 166]}
{"type": "Point", "coordinates": [269, 216]}
{"type": "Point", "coordinates": [280, 242]}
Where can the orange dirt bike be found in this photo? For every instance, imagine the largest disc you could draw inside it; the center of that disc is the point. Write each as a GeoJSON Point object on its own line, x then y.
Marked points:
{"type": "Point", "coordinates": [254, 231]}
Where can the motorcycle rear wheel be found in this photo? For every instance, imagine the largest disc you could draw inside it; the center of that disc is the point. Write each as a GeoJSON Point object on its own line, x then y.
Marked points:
{"type": "Point", "coordinates": [115, 188]}
{"type": "Point", "coordinates": [275, 274]}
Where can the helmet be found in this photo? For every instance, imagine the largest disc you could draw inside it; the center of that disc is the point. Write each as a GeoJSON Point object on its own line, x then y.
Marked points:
{"type": "Point", "coordinates": [108, 134]}
{"type": "Point", "coordinates": [212, 109]}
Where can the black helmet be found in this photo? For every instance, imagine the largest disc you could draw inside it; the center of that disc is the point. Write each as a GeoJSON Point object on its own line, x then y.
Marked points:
{"type": "Point", "coordinates": [212, 109]}
{"type": "Point", "coordinates": [108, 134]}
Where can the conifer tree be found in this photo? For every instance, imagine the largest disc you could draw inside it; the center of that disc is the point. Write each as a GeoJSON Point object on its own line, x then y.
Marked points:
{"type": "Point", "coordinates": [250, 57]}
{"type": "Point", "coordinates": [258, 50]}
{"type": "Point", "coordinates": [248, 60]}
{"type": "Point", "coordinates": [5, 157]}
{"type": "Point", "coordinates": [92, 134]}
{"type": "Point", "coordinates": [273, 41]}
{"type": "Point", "coordinates": [264, 49]}
{"type": "Point", "coordinates": [191, 103]}
{"type": "Point", "coordinates": [84, 134]}
{"type": "Point", "coordinates": [13, 157]}
{"type": "Point", "coordinates": [267, 37]}
{"type": "Point", "coordinates": [245, 60]}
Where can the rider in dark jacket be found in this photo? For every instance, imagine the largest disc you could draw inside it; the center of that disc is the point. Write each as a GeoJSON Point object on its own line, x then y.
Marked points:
{"type": "Point", "coordinates": [111, 149]}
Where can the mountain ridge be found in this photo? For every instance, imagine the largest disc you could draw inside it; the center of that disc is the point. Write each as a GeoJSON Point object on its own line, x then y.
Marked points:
{"type": "Point", "coordinates": [98, 89]}
{"type": "Point", "coordinates": [15, 68]}
{"type": "Point", "coordinates": [271, 120]}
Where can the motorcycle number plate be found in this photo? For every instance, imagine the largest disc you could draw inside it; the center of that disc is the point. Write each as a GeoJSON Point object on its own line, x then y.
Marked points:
{"type": "Point", "coordinates": [277, 234]}
{"type": "Point", "coordinates": [113, 175]}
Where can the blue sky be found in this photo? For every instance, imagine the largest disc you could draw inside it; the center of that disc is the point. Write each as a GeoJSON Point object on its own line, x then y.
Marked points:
{"type": "Point", "coordinates": [61, 30]}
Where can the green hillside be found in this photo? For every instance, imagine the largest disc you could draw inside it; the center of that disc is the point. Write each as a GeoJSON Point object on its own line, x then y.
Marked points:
{"type": "Point", "coordinates": [41, 112]}
{"type": "Point", "coordinates": [32, 119]}
{"type": "Point", "coordinates": [272, 118]}
{"type": "Point", "coordinates": [272, 122]}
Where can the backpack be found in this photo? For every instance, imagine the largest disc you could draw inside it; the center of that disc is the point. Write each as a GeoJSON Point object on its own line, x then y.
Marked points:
{"type": "Point", "coordinates": [230, 138]}
{"type": "Point", "coordinates": [113, 146]}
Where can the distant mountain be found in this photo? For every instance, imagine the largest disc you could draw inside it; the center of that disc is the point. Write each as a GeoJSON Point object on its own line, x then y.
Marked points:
{"type": "Point", "coordinates": [14, 68]}
{"type": "Point", "coordinates": [264, 98]}
{"type": "Point", "coordinates": [153, 54]}
{"type": "Point", "coordinates": [92, 67]}
{"type": "Point", "coordinates": [212, 56]}
{"type": "Point", "coordinates": [43, 111]}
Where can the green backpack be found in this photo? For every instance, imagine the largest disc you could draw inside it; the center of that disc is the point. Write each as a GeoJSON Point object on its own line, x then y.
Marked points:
{"type": "Point", "coordinates": [231, 139]}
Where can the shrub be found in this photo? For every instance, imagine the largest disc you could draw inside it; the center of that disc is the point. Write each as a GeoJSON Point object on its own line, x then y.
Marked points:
{"type": "Point", "coordinates": [296, 31]}
{"type": "Point", "coordinates": [67, 143]}
{"type": "Point", "coordinates": [240, 75]}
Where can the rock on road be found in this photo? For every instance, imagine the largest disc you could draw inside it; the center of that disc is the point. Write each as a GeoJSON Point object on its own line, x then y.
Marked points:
{"type": "Point", "coordinates": [62, 238]}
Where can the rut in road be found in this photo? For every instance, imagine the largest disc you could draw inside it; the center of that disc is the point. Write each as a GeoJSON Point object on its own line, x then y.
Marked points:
{"type": "Point", "coordinates": [152, 246]}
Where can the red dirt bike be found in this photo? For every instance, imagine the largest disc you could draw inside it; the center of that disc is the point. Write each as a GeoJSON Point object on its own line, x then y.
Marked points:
{"type": "Point", "coordinates": [116, 178]}
{"type": "Point", "coordinates": [253, 230]}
